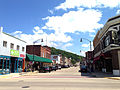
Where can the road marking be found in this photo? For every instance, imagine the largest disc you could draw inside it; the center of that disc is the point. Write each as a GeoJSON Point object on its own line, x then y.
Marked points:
{"type": "Point", "coordinates": [52, 77]}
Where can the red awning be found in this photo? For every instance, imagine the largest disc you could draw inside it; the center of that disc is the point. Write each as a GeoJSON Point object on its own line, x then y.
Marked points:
{"type": "Point", "coordinates": [96, 58]}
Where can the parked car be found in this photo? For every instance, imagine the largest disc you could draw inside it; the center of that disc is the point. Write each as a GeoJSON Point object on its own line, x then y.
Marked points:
{"type": "Point", "coordinates": [65, 66]}
{"type": "Point", "coordinates": [54, 68]}
{"type": "Point", "coordinates": [59, 67]}
{"type": "Point", "coordinates": [45, 69]}
{"type": "Point", "coordinates": [83, 68]}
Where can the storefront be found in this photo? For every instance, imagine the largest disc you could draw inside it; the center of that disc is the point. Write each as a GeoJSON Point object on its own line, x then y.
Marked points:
{"type": "Point", "coordinates": [16, 65]}
{"type": "Point", "coordinates": [10, 65]}
{"type": "Point", "coordinates": [12, 53]}
{"type": "Point", "coordinates": [5, 64]}
{"type": "Point", "coordinates": [35, 62]}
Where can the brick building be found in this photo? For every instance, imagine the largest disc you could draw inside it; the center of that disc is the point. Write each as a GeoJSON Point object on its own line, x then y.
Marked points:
{"type": "Point", "coordinates": [40, 51]}
{"type": "Point", "coordinates": [107, 47]}
{"type": "Point", "coordinates": [89, 59]}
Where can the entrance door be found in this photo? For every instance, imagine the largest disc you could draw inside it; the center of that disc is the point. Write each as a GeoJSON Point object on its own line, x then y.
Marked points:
{"type": "Point", "coordinates": [14, 64]}
{"type": "Point", "coordinates": [109, 65]}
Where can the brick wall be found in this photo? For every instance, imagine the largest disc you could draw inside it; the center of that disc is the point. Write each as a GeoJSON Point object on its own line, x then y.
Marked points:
{"type": "Point", "coordinates": [30, 49]}
{"type": "Point", "coordinates": [42, 51]}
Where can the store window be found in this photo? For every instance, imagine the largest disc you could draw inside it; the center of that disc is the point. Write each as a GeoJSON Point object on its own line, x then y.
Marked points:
{"type": "Point", "coordinates": [12, 46]}
{"type": "Point", "coordinates": [18, 47]}
{"type": "Point", "coordinates": [23, 49]}
{"type": "Point", "coordinates": [4, 43]}
{"type": "Point", "coordinates": [107, 40]}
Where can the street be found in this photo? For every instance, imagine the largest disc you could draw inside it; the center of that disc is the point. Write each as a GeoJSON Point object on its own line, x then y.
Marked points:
{"type": "Point", "coordinates": [64, 79]}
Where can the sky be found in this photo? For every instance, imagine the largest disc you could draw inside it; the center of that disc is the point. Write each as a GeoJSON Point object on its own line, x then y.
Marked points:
{"type": "Point", "coordinates": [60, 23]}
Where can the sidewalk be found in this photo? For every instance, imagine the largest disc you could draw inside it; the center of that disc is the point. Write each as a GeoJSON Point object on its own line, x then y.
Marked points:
{"type": "Point", "coordinates": [104, 75]}
{"type": "Point", "coordinates": [11, 75]}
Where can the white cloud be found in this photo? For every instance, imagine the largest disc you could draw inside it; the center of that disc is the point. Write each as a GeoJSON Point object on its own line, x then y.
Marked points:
{"type": "Point", "coordinates": [51, 11]}
{"type": "Point", "coordinates": [85, 45]}
{"type": "Point", "coordinates": [37, 30]}
{"type": "Point", "coordinates": [81, 20]}
{"type": "Point", "coordinates": [64, 47]}
{"type": "Point", "coordinates": [68, 45]}
{"type": "Point", "coordinates": [91, 35]}
{"type": "Point", "coordinates": [17, 32]}
{"type": "Point", "coordinates": [118, 12]}
{"type": "Point", "coordinates": [88, 3]}
{"type": "Point", "coordinates": [53, 39]}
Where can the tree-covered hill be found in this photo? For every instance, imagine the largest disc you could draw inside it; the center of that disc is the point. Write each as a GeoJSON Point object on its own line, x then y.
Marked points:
{"type": "Point", "coordinates": [75, 58]}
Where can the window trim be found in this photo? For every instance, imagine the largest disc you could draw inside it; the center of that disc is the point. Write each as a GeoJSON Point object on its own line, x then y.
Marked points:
{"type": "Point", "coordinates": [23, 49]}
{"type": "Point", "coordinates": [4, 43]}
{"type": "Point", "coordinates": [11, 45]}
{"type": "Point", "coordinates": [18, 47]}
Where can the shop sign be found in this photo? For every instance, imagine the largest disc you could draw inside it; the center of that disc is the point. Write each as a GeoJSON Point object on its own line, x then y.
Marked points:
{"type": "Point", "coordinates": [14, 52]}
{"type": "Point", "coordinates": [22, 55]}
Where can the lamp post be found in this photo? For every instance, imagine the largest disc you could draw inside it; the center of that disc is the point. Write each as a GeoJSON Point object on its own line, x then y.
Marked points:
{"type": "Point", "coordinates": [34, 44]}
{"type": "Point", "coordinates": [87, 40]}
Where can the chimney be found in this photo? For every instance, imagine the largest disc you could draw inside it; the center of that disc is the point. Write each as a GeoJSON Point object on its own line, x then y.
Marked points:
{"type": "Point", "coordinates": [1, 29]}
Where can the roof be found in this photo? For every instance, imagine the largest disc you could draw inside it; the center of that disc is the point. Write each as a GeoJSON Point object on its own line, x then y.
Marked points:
{"type": "Point", "coordinates": [112, 18]}
{"type": "Point", "coordinates": [14, 37]}
{"type": "Point", "coordinates": [29, 57]}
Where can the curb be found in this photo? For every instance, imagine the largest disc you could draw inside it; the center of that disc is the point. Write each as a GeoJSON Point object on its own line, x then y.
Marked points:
{"type": "Point", "coordinates": [9, 76]}
{"type": "Point", "coordinates": [113, 78]}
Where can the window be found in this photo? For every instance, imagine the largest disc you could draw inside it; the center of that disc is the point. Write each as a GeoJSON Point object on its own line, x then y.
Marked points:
{"type": "Point", "coordinates": [18, 47]}
{"type": "Point", "coordinates": [115, 37]}
{"type": "Point", "coordinates": [107, 40]}
{"type": "Point", "coordinates": [4, 43]}
{"type": "Point", "coordinates": [43, 54]}
{"type": "Point", "coordinates": [23, 49]}
{"type": "Point", "coordinates": [11, 45]}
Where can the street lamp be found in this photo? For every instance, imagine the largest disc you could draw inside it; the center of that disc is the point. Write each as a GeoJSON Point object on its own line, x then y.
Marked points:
{"type": "Point", "coordinates": [87, 40]}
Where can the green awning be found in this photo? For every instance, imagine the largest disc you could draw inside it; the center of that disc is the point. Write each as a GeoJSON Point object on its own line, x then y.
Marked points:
{"type": "Point", "coordinates": [37, 58]}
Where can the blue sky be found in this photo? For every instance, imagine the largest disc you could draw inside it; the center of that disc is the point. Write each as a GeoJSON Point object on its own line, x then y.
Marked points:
{"type": "Point", "coordinates": [62, 22]}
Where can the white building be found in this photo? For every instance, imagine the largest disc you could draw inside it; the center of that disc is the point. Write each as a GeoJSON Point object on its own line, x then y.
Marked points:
{"type": "Point", "coordinates": [55, 59]}
{"type": "Point", "coordinates": [12, 52]}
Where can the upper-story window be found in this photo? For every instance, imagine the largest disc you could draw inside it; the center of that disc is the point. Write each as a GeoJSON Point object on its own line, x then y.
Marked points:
{"type": "Point", "coordinates": [18, 47]}
{"type": "Point", "coordinates": [12, 46]}
{"type": "Point", "coordinates": [107, 40]}
{"type": "Point", "coordinates": [4, 43]}
{"type": "Point", "coordinates": [23, 49]}
{"type": "Point", "coordinates": [115, 36]}
{"type": "Point", "coordinates": [43, 54]}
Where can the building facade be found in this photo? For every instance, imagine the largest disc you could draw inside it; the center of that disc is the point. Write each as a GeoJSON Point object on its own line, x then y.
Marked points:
{"type": "Point", "coordinates": [41, 51]}
{"type": "Point", "coordinates": [38, 50]}
{"type": "Point", "coordinates": [107, 47]}
{"type": "Point", "coordinates": [89, 60]}
{"type": "Point", "coordinates": [12, 53]}
{"type": "Point", "coordinates": [66, 61]}
{"type": "Point", "coordinates": [56, 59]}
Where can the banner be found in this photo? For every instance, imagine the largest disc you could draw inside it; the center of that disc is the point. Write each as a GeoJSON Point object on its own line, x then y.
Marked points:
{"type": "Point", "coordinates": [14, 52]}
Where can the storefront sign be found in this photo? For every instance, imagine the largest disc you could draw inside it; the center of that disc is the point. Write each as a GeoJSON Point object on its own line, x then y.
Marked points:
{"type": "Point", "coordinates": [14, 52]}
{"type": "Point", "coordinates": [22, 55]}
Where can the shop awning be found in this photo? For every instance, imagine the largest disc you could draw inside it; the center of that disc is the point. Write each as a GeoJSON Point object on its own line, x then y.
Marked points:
{"type": "Point", "coordinates": [37, 58]}
{"type": "Point", "coordinates": [96, 58]}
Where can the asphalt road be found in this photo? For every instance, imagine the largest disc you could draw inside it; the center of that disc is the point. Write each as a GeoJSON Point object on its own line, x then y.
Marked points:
{"type": "Point", "coordinates": [65, 79]}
